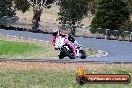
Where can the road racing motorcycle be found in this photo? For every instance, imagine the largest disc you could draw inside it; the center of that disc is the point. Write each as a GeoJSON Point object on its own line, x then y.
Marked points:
{"type": "Point", "coordinates": [68, 48]}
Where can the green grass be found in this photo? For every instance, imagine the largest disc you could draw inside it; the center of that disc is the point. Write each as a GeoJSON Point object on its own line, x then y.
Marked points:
{"type": "Point", "coordinates": [90, 51]}
{"type": "Point", "coordinates": [54, 79]}
{"type": "Point", "coordinates": [8, 48]}
{"type": "Point", "coordinates": [24, 49]}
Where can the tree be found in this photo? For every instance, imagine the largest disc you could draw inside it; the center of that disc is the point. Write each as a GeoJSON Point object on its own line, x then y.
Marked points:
{"type": "Point", "coordinates": [22, 5]}
{"type": "Point", "coordinates": [7, 12]}
{"type": "Point", "coordinates": [38, 5]}
{"type": "Point", "coordinates": [127, 26]}
{"type": "Point", "coordinates": [110, 14]}
{"type": "Point", "coordinates": [72, 12]}
{"type": "Point", "coordinates": [130, 5]}
{"type": "Point", "coordinates": [6, 8]}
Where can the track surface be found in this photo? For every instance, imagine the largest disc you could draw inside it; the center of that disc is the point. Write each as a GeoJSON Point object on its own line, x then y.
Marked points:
{"type": "Point", "coordinates": [119, 51]}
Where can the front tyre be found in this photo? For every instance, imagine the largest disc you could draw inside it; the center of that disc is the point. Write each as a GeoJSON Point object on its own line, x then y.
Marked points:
{"type": "Point", "coordinates": [68, 53]}
{"type": "Point", "coordinates": [61, 56]}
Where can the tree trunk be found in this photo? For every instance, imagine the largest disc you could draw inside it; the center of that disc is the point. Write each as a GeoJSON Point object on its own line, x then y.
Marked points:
{"type": "Point", "coordinates": [36, 19]}
{"type": "Point", "coordinates": [92, 6]}
{"type": "Point", "coordinates": [73, 30]}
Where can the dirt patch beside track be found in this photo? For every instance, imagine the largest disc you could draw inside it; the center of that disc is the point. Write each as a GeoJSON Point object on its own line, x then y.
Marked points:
{"type": "Point", "coordinates": [57, 66]}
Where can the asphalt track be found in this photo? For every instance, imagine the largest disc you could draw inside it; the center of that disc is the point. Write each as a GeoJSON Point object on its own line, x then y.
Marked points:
{"type": "Point", "coordinates": [118, 51]}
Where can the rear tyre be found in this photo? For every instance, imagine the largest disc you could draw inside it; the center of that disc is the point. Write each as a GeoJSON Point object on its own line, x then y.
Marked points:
{"type": "Point", "coordinates": [83, 54]}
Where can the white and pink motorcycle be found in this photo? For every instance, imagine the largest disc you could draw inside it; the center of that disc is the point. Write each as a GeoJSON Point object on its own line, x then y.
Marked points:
{"type": "Point", "coordinates": [69, 48]}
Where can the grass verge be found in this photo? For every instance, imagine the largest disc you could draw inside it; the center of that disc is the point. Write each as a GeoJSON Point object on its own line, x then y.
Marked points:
{"type": "Point", "coordinates": [24, 48]}
{"type": "Point", "coordinates": [28, 76]}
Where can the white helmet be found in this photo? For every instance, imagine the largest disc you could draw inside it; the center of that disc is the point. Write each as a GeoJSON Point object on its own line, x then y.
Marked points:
{"type": "Point", "coordinates": [56, 30]}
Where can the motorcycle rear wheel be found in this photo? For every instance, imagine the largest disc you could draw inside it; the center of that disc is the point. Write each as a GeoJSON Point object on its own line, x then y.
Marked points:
{"type": "Point", "coordinates": [83, 54]}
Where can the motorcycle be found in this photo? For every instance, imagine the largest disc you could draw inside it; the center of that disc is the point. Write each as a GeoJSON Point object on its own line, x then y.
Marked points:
{"type": "Point", "coordinates": [68, 48]}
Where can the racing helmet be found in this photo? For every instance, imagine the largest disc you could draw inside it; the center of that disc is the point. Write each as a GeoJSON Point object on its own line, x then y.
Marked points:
{"type": "Point", "coordinates": [55, 31]}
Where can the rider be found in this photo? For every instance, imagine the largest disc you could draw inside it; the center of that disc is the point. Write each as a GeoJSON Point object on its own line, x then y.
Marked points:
{"type": "Point", "coordinates": [57, 32]}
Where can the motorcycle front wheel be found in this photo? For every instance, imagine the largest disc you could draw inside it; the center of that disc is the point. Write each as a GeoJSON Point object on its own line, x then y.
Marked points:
{"type": "Point", "coordinates": [68, 53]}
{"type": "Point", "coordinates": [62, 55]}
